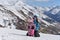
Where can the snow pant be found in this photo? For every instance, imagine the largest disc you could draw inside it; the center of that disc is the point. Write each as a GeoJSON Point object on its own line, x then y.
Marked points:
{"type": "Point", "coordinates": [36, 33]}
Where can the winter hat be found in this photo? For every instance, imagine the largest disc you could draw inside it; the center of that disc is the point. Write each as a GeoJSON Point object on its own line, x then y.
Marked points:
{"type": "Point", "coordinates": [35, 16]}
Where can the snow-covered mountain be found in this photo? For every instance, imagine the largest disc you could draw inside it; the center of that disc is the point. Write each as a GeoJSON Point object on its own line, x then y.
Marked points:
{"type": "Point", "coordinates": [54, 13]}
{"type": "Point", "coordinates": [14, 15]}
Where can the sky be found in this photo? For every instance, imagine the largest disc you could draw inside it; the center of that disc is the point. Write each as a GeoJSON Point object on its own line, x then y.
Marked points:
{"type": "Point", "coordinates": [43, 3]}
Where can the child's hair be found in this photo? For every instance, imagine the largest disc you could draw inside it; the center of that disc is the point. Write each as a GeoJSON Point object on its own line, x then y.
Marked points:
{"type": "Point", "coordinates": [32, 27]}
{"type": "Point", "coordinates": [36, 18]}
{"type": "Point", "coordinates": [28, 27]}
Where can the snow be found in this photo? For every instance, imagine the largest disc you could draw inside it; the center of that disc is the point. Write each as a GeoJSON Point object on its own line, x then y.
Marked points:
{"type": "Point", "coordinates": [55, 11]}
{"type": "Point", "coordinates": [45, 21]}
{"type": "Point", "coordinates": [14, 34]}
{"type": "Point", "coordinates": [12, 8]}
{"type": "Point", "coordinates": [1, 22]}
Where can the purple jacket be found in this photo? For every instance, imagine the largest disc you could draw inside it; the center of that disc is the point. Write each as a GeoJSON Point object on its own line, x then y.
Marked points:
{"type": "Point", "coordinates": [31, 28]}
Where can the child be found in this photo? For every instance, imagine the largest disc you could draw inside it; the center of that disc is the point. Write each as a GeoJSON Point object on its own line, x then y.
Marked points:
{"type": "Point", "coordinates": [31, 28]}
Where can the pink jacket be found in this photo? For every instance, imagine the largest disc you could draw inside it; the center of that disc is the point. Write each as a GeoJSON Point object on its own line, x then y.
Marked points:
{"type": "Point", "coordinates": [31, 31]}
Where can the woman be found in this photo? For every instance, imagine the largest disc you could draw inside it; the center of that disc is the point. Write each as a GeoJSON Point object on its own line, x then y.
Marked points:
{"type": "Point", "coordinates": [35, 20]}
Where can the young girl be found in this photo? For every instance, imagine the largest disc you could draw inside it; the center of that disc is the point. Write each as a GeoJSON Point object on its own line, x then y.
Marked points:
{"type": "Point", "coordinates": [31, 28]}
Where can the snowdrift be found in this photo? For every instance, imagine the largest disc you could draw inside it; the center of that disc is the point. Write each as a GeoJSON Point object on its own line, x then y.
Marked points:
{"type": "Point", "coordinates": [14, 34]}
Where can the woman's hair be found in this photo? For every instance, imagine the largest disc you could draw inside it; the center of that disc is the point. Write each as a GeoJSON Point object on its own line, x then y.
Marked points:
{"type": "Point", "coordinates": [36, 18]}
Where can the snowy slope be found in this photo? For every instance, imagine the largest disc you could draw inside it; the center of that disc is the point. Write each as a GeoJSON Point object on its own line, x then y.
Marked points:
{"type": "Point", "coordinates": [20, 10]}
{"type": "Point", "coordinates": [7, 10]}
{"type": "Point", "coordinates": [13, 34]}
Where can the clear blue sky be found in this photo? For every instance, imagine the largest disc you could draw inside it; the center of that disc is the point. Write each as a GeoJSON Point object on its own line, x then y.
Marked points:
{"type": "Point", "coordinates": [44, 3]}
